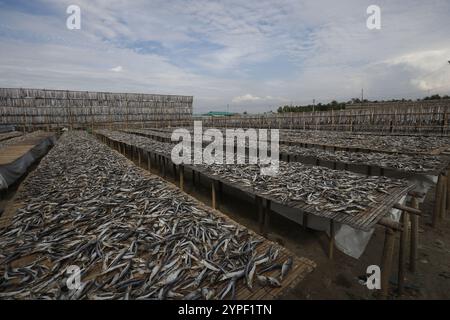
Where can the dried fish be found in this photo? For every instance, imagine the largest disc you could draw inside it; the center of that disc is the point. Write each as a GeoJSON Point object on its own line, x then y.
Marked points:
{"type": "Point", "coordinates": [131, 235]}
{"type": "Point", "coordinates": [325, 191]}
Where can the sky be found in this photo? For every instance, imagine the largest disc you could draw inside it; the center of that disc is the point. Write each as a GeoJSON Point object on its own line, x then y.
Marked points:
{"type": "Point", "coordinates": [251, 55]}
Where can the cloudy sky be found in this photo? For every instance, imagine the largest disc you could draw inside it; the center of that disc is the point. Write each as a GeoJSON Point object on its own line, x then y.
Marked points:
{"type": "Point", "coordinates": [252, 55]}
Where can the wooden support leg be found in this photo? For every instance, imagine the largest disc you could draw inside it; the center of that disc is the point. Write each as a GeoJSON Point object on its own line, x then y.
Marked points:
{"type": "Point", "coordinates": [193, 178]}
{"type": "Point", "coordinates": [305, 220]}
{"type": "Point", "coordinates": [331, 244]}
{"type": "Point", "coordinates": [447, 211]}
{"type": "Point", "coordinates": [149, 162]}
{"type": "Point", "coordinates": [437, 203]}
{"type": "Point", "coordinates": [174, 168]}
{"type": "Point", "coordinates": [444, 197]}
{"type": "Point", "coordinates": [181, 170]}
{"type": "Point", "coordinates": [139, 156]}
{"type": "Point", "coordinates": [448, 193]}
{"type": "Point", "coordinates": [259, 205]}
{"type": "Point", "coordinates": [163, 160]}
{"type": "Point", "coordinates": [220, 193]}
{"type": "Point", "coordinates": [213, 194]}
{"type": "Point", "coordinates": [266, 218]}
{"type": "Point", "coordinates": [402, 252]}
{"type": "Point", "coordinates": [414, 236]}
{"type": "Point", "coordinates": [386, 261]}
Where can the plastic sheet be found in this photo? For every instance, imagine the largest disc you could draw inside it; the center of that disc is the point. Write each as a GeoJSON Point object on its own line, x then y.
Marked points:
{"type": "Point", "coordinates": [12, 172]}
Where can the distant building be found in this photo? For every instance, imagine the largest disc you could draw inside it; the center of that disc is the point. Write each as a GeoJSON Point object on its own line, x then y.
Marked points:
{"type": "Point", "coordinates": [219, 114]}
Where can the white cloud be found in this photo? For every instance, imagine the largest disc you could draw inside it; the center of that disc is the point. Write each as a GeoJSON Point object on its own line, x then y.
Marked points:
{"type": "Point", "coordinates": [245, 98]}
{"type": "Point", "coordinates": [220, 52]}
{"type": "Point", "coordinates": [117, 69]}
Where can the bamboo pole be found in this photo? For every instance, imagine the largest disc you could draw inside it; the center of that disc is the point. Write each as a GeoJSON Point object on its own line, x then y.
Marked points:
{"type": "Point", "coordinates": [139, 156]}
{"type": "Point", "coordinates": [260, 208]}
{"type": "Point", "coordinates": [402, 252]}
{"type": "Point", "coordinates": [414, 236]}
{"type": "Point", "coordinates": [437, 203]}
{"type": "Point", "coordinates": [331, 240]}
{"type": "Point", "coordinates": [213, 194]}
{"type": "Point", "coordinates": [305, 220]}
{"type": "Point", "coordinates": [181, 170]}
{"type": "Point", "coordinates": [267, 218]}
{"type": "Point", "coordinates": [386, 261]}
{"type": "Point", "coordinates": [448, 193]}
{"type": "Point", "coordinates": [444, 197]}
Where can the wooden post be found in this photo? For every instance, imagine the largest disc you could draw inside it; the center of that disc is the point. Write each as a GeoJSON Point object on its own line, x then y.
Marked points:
{"type": "Point", "coordinates": [259, 205]}
{"type": "Point", "coordinates": [305, 220]}
{"type": "Point", "coordinates": [444, 197]}
{"type": "Point", "coordinates": [149, 161]}
{"type": "Point", "coordinates": [163, 160]}
{"type": "Point", "coordinates": [139, 156]}
{"type": "Point", "coordinates": [331, 244]}
{"type": "Point", "coordinates": [193, 177]}
{"type": "Point", "coordinates": [220, 193]}
{"type": "Point", "coordinates": [181, 170]}
{"type": "Point", "coordinates": [213, 194]}
{"type": "Point", "coordinates": [386, 261]}
{"type": "Point", "coordinates": [414, 236]}
{"type": "Point", "coordinates": [448, 193]}
{"type": "Point", "coordinates": [402, 252]}
{"type": "Point", "coordinates": [266, 218]}
{"type": "Point", "coordinates": [437, 203]}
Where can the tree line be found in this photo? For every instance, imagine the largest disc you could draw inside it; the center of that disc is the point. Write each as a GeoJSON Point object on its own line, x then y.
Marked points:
{"type": "Point", "coordinates": [334, 105]}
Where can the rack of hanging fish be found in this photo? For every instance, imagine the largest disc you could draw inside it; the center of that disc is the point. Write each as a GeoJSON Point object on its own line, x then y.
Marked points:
{"type": "Point", "coordinates": [408, 118]}
{"type": "Point", "coordinates": [370, 163]}
{"type": "Point", "coordinates": [50, 109]}
{"type": "Point", "coordinates": [356, 200]}
{"type": "Point", "coordinates": [130, 234]}
{"type": "Point", "coordinates": [410, 157]}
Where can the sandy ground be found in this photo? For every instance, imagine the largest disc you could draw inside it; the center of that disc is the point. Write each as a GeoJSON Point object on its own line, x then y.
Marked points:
{"type": "Point", "coordinates": [339, 278]}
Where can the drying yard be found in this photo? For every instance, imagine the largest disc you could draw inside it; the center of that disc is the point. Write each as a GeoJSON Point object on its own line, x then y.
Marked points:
{"type": "Point", "coordinates": [133, 236]}
{"type": "Point", "coordinates": [103, 195]}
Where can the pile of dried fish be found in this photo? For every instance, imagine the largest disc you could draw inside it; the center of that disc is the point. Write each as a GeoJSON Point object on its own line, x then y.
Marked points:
{"type": "Point", "coordinates": [404, 162]}
{"type": "Point", "coordinates": [419, 163]}
{"type": "Point", "coordinates": [382, 143]}
{"type": "Point", "coordinates": [131, 234]}
{"type": "Point", "coordinates": [327, 191]}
